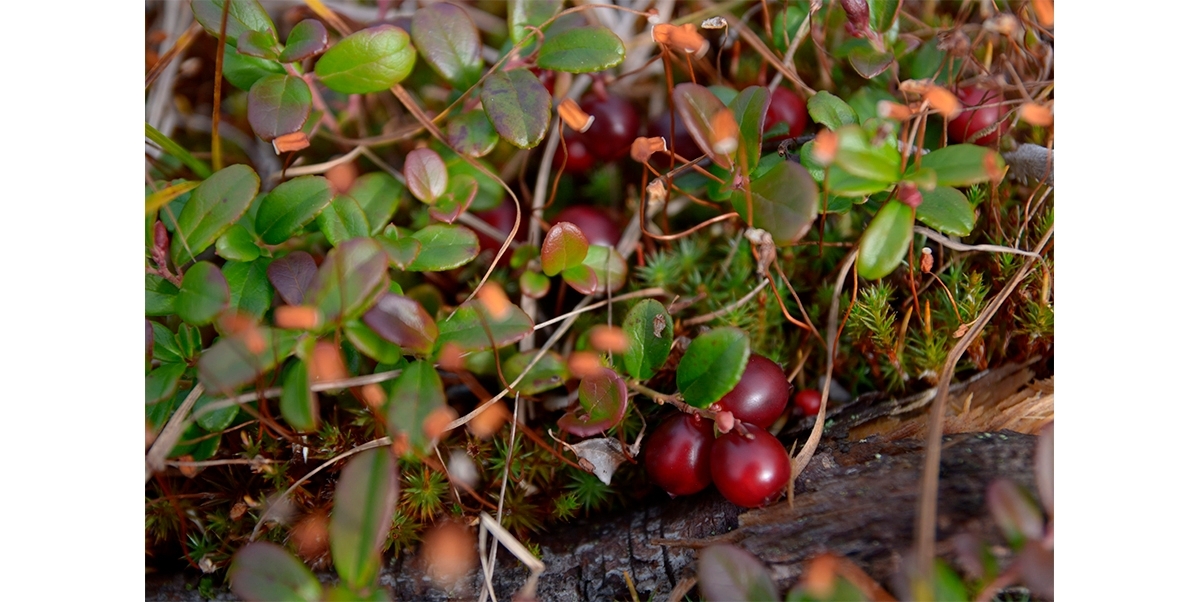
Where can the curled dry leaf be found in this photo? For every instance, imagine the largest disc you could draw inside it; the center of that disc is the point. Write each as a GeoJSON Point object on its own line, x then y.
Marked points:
{"type": "Point", "coordinates": [943, 101]}
{"type": "Point", "coordinates": [926, 260]}
{"type": "Point", "coordinates": [601, 456]}
{"type": "Point", "coordinates": [573, 116]}
{"type": "Point", "coordinates": [290, 142]}
{"type": "Point", "coordinates": [643, 147]}
{"type": "Point", "coordinates": [893, 110]}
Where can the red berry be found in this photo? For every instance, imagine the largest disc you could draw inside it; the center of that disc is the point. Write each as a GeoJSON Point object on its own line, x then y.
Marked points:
{"type": "Point", "coordinates": [615, 128]}
{"type": "Point", "coordinates": [972, 120]}
{"type": "Point", "coordinates": [750, 472]}
{"type": "Point", "coordinates": [808, 401]}
{"type": "Point", "coordinates": [761, 396]}
{"type": "Point", "coordinates": [579, 158]}
{"type": "Point", "coordinates": [596, 225]}
{"type": "Point", "coordinates": [676, 455]}
{"type": "Point", "coordinates": [790, 109]}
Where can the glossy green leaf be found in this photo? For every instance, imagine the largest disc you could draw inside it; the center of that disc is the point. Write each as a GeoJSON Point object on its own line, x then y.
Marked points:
{"type": "Point", "coordinates": [307, 39]}
{"type": "Point", "coordinates": [237, 244]}
{"type": "Point", "coordinates": [523, 14]}
{"type": "Point", "coordinates": [204, 294]}
{"type": "Point", "coordinates": [518, 105]}
{"type": "Point", "coordinates": [948, 211]}
{"type": "Point", "coordinates": [708, 120]}
{"type": "Point", "coordinates": [609, 266]}
{"type": "Point", "coordinates": [425, 174]}
{"type": "Point", "coordinates": [291, 275]}
{"type": "Point", "coordinates": [370, 343]}
{"type": "Point", "coordinates": [342, 220]}
{"type": "Point", "coordinates": [236, 360]}
{"type": "Point", "coordinates": [278, 105]}
{"type": "Point", "coordinates": [471, 133]}
{"type": "Point", "coordinates": [363, 505]}
{"type": "Point", "coordinates": [291, 206]}
{"type": "Point", "coordinates": [213, 421]}
{"type": "Point", "coordinates": [491, 193]}
{"type": "Point", "coordinates": [858, 155]}
{"type": "Point", "coordinates": [581, 50]}
{"type": "Point", "coordinates": [750, 110]}
{"type": "Point", "coordinates": [786, 202]}
{"type": "Point", "coordinates": [534, 284]}
{"type": "Point", "coordinates": [650, 332]}
{"type": "Point", "coordinates": [189, 341]}
{"type": "Point", "coordinates": [297, 403]}
{"type": "Point", "coordinates": [214, 206]}
{"type": "Point", "coordinates": [924, 178]}
{"type": "Point", "coordinates": [443, 247]}
{"type": "Point", "coordinates": [842, 182]}
{"type": "Point", "coordinates": [885, 241]}
{"type": "Point", "coordinates": [458, 198]}
{"type": "Point", "coordinates": [402, 321]}
{"type": "Point", "coordinates": [244, 71]}
{"type": "Point", "coordinates": [370, 60]}
{"type": "Point", "coordinates": [258, 44]}
{"type": "Point", "coordinates": [444, 34]}
{"type": "Point", "coordinates": [352, 276]}
{"type": "Point", "coordinates": [466, 330]}
{"type": "Point", "coordinates": [160, 296]}
{"type": "Point", "coordinates": [163, 380]}
{"type": "Point", "coordinates": [565, 246]}
{"type": "Point", "coordinates": [401, 253]}
{"type": "Point", "coordinates": [165, 349]}
{"type": "Point", "coordinates": [548, 373]}
{"type": "Point", "coordinates": [244, 15]}
{"type": "Point", "coordinates": [603, 400]}
{"type": "Point", "coordinates": [830, 111]}
{"type": "Point", "coordinates": [581, 278]}
{"type": "Point", "coordinates": [869, 62]}
{"type": "Point", "coordinates": [250, 290]}
{"type": "Point", "coordinates": [883, 14]}
{"type": "Point", "coordinates": [416, 394]}
{"type": "Point", "coordinates": [378, 195]}
{"type": "Point", "coordinates": [964, 164]}
{"type": "Point", "coordinates": [266, 572]}
{"type": "Point", "coordinates": [712, 365]}
{"type": "Point", "coordinates": [727, 572]}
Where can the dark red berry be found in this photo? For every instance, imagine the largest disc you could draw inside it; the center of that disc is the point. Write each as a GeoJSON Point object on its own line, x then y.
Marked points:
{"type": "Point", "coordinates": [685, 145]}
{"type": "Point", "coordinates": [676, 455]}
{"type": "Point", "coordinates": [761, 396]}
{"type": "Point", "coordinates": [790, 109]}
{"type": "Point", "coordinates": [808, 401]}
{"type": "Point", "coordinates": [972, 119]}
{"type": "Point", "coordinates": [597, 226]}
{"type": "Point", "coordinates": [579, 158]}
{"type": "Point", "coordinates": [615, 127]}
{"type": "Point", "coordinates": [750, 472]}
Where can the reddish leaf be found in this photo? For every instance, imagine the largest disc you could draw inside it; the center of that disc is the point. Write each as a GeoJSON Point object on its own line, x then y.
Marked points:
{"type": "Point", "coordinates": [565, 247]}
{"type": "Point", "coordinates": [425, 173]}
{"type": "Point", "coordinates": [603, 400]}
{"type": "Point", "coordinates": [402, 321]}
{"type": "Point", "coordinates": [291, 275]}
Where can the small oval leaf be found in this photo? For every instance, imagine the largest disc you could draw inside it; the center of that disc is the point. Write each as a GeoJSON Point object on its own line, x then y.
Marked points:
{"type": "Point", "coordinates": [237, 244]}
{"type": "Point", "coordinates": [518, 105]}
{"type": "Point", "coordinates": [370, 343]}
{"type": "Point", "coordinates": [425, 174]}
{"type": "Point", "coordinates": [370, 60]}
{"type": "Point", "coordinates": [236, 360]}
{"type": "Point", "coordinates": [378, 195]}
{"type": "Point", "coordinates": [444, 34]}
{"type": "Point", "coordinates": [582, 50]}
{"type": "Point", "coordinates": [708, 120]}
{"type": "Point", "coordinates": [471, 133]}
{"type": "Point", "coordinates": [785, 201]}
{"type": "Point", "coordinates": [297, 403]}
{"type": "Point", "coordinates": [466, 331]}
{"type": "Point", "coordinates": [964, 164]}
{"type": "Point", "coordinates": [244, 15]}
{"type": "Point", "coordinates": [402, 321]}
{"type": "Point", "coordinates": [548, 373]}
{"type": "Point", "coordinates": [307, 39]}
{"type": "Point", "coordinates": [243, 71]}
{"type": "Point", "coordinates": [608, 266]}
{"type": "Point", "coordinates": [523, 14]}
{"type": "Point", "coordinates": [443, 247]}
{"type": "Point", "coordinates": [214, 206]}
{"type": "Point", "coordinates": [363, 505]}
{"type": "Point", "coordinates": [204, 294]}
{"type": "Point", "coordinates": [290, 207]}
{"type": "Point", "coordinates": [265, 571]}
{"type": "Point", "coordinates": [750, 110]}
{"type": "Point", "coordinates": [342, 220]}
{"type": "Point", "coordinates": [416, 394]}
{"type": "Point", "coordinates": [565, 247]}
{"type": "Point", "coordinates": [727, 572]}
{"type": "Point", "coordinates": [885, 241]}
{"type": "Point", "coordinates": [278, 105]}
{"type": "Point", "coordinates": [291, 275]}
{"type": "Point", "coordinates": [249, 288]}
{"type": "Point", "coordinates": [948, 211]}
{"type": "Point", "coordinates": [860, 156]}
{"type": "Point", "coordinates": [712, 365]}
{"type": "Point", "coordinates": [650, 331]}
{"type": "Point", "coordinates": [603, 399]}
{"type": "Point", "coordinates": [353, 275]}
{"type": "Point", "coordinates": [831, 111]}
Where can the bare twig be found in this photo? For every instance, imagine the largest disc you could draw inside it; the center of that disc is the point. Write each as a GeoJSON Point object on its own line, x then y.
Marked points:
{"type": "Point", "coordinates": [166, 439]}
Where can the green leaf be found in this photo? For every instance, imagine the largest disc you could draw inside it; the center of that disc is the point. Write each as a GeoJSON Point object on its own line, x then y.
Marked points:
{"type": "Point", "coordinates": [189, 342]}
{"type": "Point", "coordinates": [378, 195]}
{"type": "Point", "coordinates": [236, 360]}
{"type": "Point", "coordinates": [964, 164]}
{"type": "Point", "coordinates": [609, 267]}
{"type": "Point", "coordinates": [727, 572]}
{"type": "Point", "coordinates": [581, 278]}
{"type": "Point", "coordinates": [343, 593]}
{"type": "Point", "coordinates": [650, 332]}
{"type": "Point", "coordinates": [785, 200]}
{"type": "Point", "coordinates": [352, 276]}
{"type": "Point", "coordinates": [581, 50]}
{"type": "Point", "coordinates": [885, 241]}
{"type": "Point", "coordinates": [466, 330]}
{"type": "Point", "coordinates": [291, 275]}
{"type": "Point", "coordinates": [370, 60]}
{"type": "Point", "coordinates": [266, 571]}
{"type": "Point", "coordinates": [237, 244]}
{"type": "Point", "coordinates": [948, 211]}
{"type": "Point", "coordinates": [443, 247]}
{"type": "Point", "coordinates": [172, 148]}
{"type": "Point", "coordinates": [858, 155]}
{"type": "Point", "coordinates": [457, 198]}
{"type": "Point", "coordinates": [204, 294]}
{"type": "Point", "coordinates": [750, 110]}
{"type": "Point", "coordinates": [534, 284]}
{"type": "Point", "coordinates": [213, 421]}
{"type": "Point", "coordinates": [603, 400]}
{"type": "Point", "coordinates": [425, 174]}
{"type": "Point", "coordinates": [518, 105]}
{"type": "Point", "coordinates": [883, 14]}
{"type": "Point", "coordinates": [565, 246]}
{"type": "Point", "coordinates": [869, 62]}
{"type": "Point", "coordinates": [843, 183]}
{"type": "Point", "coordinates": [166, 349]}
{"type": "Point", "coordinates": [258, 44]}
{"type": "Point", "coordinates": [160, 296]}
{"type": "Point", "coordinates": [529, 13]}
{"type": "Point", "coordinates": [923, 178]}
{"type": "Point", "coordinates": [297, 403]}
{"type": "Point", "coordinates": [711, 124]}
{"type": "Point", "coordinates": [401, 253]}
{"type": "Point", "coordinates": [214, 206]}
{"type": "Point", "coordinates": [402, 321]}
{"type": "Point", "coordinates": [307, 39]}
{"type": "Point", "coordinates": [249, 288]}
{"type": "Point", "coordinates": [278, 105]}
{"type": "Point", "coordinates": [416, 394]}
{"type": "Point", "coordinates": [471, 133]}
{"type": "Point", "coordinates": [548, 373]}
{"type": "Point", "coordinates": [712, 365]}
{"type": "Point", "coordinates": [363, 505]}
{"type": "Point", "coordinates": [370, 343]}
{"type": "Point", "coordinates": [244, 15]}
{"type": "Point", "coordinates": [342, 220]}
{"type": "Point", "coordinates": [444, 34]}
{"type": "Point", "coordinates": [830, 111]}
{"type": "Point", "coordinates": [291, 206]}
{"type": "Point", "coordinates": [163, 380]}
{"type": "Point", "coordinates": [244, 71]}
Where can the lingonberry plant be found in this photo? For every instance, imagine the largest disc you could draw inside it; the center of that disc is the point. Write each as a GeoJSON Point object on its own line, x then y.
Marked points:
{"type": "Point", "coordinates": [417, 270]}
